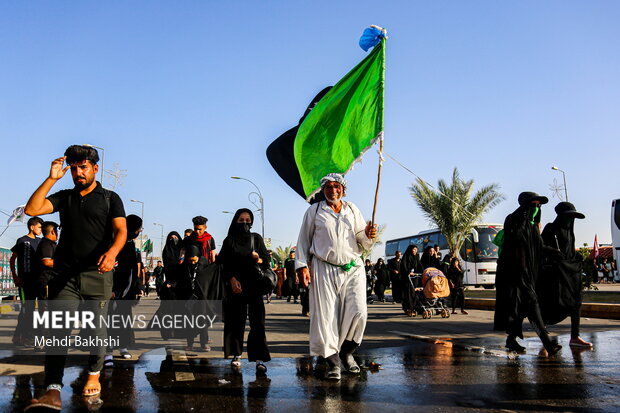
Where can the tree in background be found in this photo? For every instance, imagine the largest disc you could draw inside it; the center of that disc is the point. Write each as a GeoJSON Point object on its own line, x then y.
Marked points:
{"type": "Point", "coordinates": [282, 253]}
{"type": "Point", "coordinates": [589, 268]}
{"type": "Point", "coordinates": [454, 207]}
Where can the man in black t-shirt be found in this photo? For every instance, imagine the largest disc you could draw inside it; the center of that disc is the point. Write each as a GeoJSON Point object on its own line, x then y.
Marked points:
{"type": "Point", "coordinates": [45, 256]}
{"type": "Point", "coordinates": [290, 278]}
{"type": "Point", "coordinates": [93, 233]}
{"type": "Point", "coordinates": [25, 277]}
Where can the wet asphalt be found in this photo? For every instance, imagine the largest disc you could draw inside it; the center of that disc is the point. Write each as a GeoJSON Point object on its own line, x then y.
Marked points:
{"type": "Point", "coordinates": [472, 375]}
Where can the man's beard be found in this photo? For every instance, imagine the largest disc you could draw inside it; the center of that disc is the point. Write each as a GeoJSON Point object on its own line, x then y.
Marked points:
{"type": "Point", "coordinates": [82, 184]}
{"type": "Point", "coordinates": [333, 201]}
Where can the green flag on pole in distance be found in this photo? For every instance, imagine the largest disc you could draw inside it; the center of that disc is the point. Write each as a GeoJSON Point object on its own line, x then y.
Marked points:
{"type": "Point", "coordinates": [344, 124]}
{"type": "Point", "coordinates": [147, 247]}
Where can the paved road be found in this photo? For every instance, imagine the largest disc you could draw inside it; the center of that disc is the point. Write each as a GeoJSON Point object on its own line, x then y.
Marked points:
{"type": "Point", "coordinates": [454, 364]}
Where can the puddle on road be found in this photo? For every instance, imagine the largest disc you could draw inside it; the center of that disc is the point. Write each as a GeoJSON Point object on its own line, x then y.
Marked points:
{"type": "Point", "coordinates": [442, 376]}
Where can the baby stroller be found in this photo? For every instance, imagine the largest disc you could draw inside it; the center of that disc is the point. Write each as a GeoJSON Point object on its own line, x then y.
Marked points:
{"type": "Point", "coordinates": [435, 288]}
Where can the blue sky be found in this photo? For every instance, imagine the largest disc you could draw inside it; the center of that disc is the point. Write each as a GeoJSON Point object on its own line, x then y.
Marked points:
{"type": "Point", "coordinates": [183, 95]}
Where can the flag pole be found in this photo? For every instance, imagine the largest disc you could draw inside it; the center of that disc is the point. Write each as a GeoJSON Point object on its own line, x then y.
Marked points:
{"type": "Point", "coordinates": [374, 207]}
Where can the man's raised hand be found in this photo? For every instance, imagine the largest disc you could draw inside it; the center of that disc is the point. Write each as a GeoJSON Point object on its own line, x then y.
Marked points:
{"type": "Point", "coordinates": [57, 171]}
{"type": "Point", "coordinates": [371, 230]}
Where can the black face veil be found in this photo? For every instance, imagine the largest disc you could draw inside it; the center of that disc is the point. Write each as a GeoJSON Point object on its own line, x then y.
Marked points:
{"type": "Point", "coordinates": [234, 229]}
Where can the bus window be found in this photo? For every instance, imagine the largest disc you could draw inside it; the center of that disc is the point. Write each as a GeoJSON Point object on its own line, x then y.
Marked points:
{"type": "Point", "coordinates": [402, 245]}
{"type": "Point", "coordinates": [418, 241]}
{"type": "Point", "coordinates": [432, 239]}
{"type": "Point", "coordinates": [443, 243]}
{"type": "Point", "coordinates": [390, 248]}
{"type": "Point", "coordinates": [617, 213]}
{"type": "Point", "coordinates": [467, 249]}
{"type": "Point", "coordinates": [485, 249]}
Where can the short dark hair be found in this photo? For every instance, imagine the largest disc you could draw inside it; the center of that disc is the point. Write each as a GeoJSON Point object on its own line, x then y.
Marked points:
{"type": "Point", "coordinates": [188, 230]}
{"type": "Point", "coordinates": [199, 220]}
{"type": "Point", "coordinates": [79, 153]}
{"type": "Point", "coordinates": [158, 261]}
{"type": "Point", "coordinates": [34, 221]}
{"type": "Point", "coordinates": [48, 227]}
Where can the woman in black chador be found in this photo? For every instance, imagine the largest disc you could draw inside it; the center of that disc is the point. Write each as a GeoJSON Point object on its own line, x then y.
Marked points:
{"type": "Point", "coordinates": [517, 273]}
{"type": "Point", "coordinates": [559, 285]}
{"type": "Point", "coordinates": [429, 258]}
{"type": "Point", "coordinates": [241, 251]}
{"type": "Point", "coordinates": [382, 275]}
{"type": "Point", "coordinates": [457, 290]}
{"type": "Point", "coordinates": [410, 263]}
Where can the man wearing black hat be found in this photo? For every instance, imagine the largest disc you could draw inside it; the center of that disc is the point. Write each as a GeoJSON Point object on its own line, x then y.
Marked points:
{"type": "Point", "coordinates": [517, 272]}
{"type": "Point", "coordinates": [559, 285]}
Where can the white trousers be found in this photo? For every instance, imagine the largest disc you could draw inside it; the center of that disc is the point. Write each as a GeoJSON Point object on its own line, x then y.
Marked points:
{"type": "Point", "coordinates": [338, 309]}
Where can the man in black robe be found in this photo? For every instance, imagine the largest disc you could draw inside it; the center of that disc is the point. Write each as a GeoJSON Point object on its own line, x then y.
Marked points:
{"type": "Point", "coordinates": [517, 273]}
{"type": "Point", "coordinates": [559, 286]}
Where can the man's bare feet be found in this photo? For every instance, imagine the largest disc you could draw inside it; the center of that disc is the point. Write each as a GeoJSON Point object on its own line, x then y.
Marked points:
{"type": "Point", "coordinates": [92, 386]}
{"type": "Point", "coordinates": [51, 400]}
{"type": "Point", "coordinates": [579, 342]}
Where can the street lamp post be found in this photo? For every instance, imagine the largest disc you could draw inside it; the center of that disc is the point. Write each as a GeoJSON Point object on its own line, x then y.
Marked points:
{"type": "Point", "coordinates": [102, 159]}
{"type": "Point", "coordinates": [260, 198]}
{"type": "Point", "coordinates": [161, 240]}
{"type": "Point", "coordinates": [555, 168]}
{"type": "Point", "coordinates": [142, 213]}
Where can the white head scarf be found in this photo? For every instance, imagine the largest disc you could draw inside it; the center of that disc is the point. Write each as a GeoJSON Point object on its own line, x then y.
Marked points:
{"type": "Point", "coordinates": [333, 177]}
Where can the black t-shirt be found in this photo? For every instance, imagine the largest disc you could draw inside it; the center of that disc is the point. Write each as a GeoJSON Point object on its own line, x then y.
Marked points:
{"type": "Point", "coordinates": [86, 226]}
{"type": "Point", "coordinates": [46, 249]}
{"type": "Point", "coordinates": [289, 266]}
{"type": "Point", "coordinates": [26, 249]}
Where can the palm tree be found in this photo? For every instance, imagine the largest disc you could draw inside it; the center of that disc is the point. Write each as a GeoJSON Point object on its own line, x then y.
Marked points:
{"type": "Point", "coordinates": [282, 253]}
{"type": "Point", "coordinates": [453, 208]}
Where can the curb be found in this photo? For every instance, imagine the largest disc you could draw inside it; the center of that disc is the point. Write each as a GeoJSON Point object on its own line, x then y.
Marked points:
{"type": "Point", "coordinates": [594, 310]}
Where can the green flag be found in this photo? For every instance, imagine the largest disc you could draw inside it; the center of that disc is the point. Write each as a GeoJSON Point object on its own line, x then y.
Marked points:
{"type": "Point", "coordinates": [147, 247]}
{"type": "Point", "coordinates": [343, 124]}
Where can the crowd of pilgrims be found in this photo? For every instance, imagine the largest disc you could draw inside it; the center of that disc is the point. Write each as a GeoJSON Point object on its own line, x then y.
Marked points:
{"type": "Point", "coordinates": [403, 275]}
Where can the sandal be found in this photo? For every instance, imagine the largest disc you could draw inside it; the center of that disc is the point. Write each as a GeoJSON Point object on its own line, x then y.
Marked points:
{"type": "Point", "coordinates": [36, 404]}
{"type": "Point", "coordinates": [236, 362]}
{"type": "Point", "coordinates": [261, 368]}
{"type": "Point", "coordinates": [92, 388]}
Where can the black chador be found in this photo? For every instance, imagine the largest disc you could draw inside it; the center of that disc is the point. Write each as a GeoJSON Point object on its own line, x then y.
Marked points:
{"type": "Point", "coordinates": [410, 263]}
{"type": "Point", "coordinates": [383, 279]}
{"type": "Point", "coordinates": [559, 284]}
{"type": "Point", "coordinates": [517, 273]}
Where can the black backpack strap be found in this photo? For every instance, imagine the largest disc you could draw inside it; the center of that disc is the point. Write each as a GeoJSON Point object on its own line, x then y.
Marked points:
{"type": "Point", "coordinates": [107, 194]}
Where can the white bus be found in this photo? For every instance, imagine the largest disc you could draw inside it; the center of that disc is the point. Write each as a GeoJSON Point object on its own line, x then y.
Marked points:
{"type": "Point", "coordinates": [478, 253]}
{"type": "Point", "coordinates": [615, 230]}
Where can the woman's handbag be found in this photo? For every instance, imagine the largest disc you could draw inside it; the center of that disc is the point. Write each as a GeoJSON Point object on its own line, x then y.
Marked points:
{"type": "Point", "coordinates": [267, 277]}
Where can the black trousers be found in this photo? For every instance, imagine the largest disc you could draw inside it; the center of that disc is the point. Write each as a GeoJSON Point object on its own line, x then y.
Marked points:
{"type": "Point", "coordinates": [237, 307]}
{"type": "Point", "coordinates": [32, 291]}
{"type": "Point", "coordinates": [515, 327]}
{"type": "Point", "coordinates": [304, 294]}
{"type": "Point", "coordinates": [67, 292]}
{"type": "Point", "coordinates": [458, 297]}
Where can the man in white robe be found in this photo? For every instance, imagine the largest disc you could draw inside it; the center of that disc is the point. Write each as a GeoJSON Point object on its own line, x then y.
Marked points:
{"type": "Point", "coordinates": [329, 250]}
